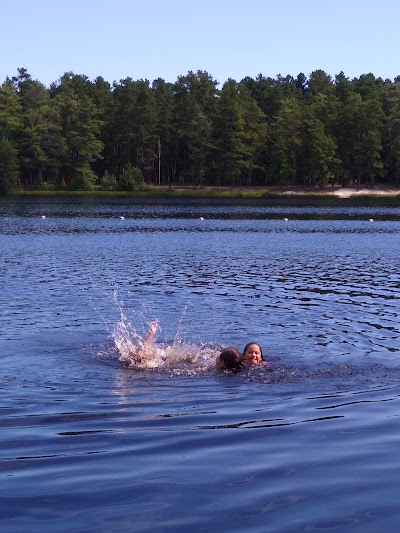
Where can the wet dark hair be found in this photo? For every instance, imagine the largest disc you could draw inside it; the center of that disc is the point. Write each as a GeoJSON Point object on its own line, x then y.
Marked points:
{"type": "Point", "coordinates": [256, 343]}
{"type": "Point", "coordinates": [231, 358]}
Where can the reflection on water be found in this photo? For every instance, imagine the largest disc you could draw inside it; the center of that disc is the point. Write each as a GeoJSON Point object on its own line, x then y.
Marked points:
{"type": "Point", "coordinates": [307, 443]}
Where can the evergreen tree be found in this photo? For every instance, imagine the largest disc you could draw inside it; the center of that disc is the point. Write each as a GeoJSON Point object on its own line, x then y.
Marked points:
{"type": "Point", "coordinates": [101, 96]}
{"type": "Point", "coordinates": [10, 127]}
{"type": "Point", "coordinates": [255, 135]}
{"type": "Point", "coordinates": [320, 154]}
{"type": "Point", "coordinates": [164, 101]}
{"type": "Point", "coordinates": [286, 142]}
{"type": "Point", "coordinates": [109, 182]}
{"type": "Point", "coordinates": [9, 172]}
{"type": "Point", "coordinates": [229, 135]}
{"type": "Point", "coordinates": [41, 144]}
{"type": "Point", "coordinates": [134, 125]}
{"type": "Point", "coordinates": [10, 111]}
{"type": "Point", "coordinates": [282, 130]}
{"type": "Point", "coordinates": [131, 179]}
{"type": "Point", "coordinates": [392, 130]}
{"type": "Point", "coordinates": [192, 135]}
{"type": "Point", "coordinates": [359, 139]}
{"type": "Point", "coordinates": [80, 125]}
{"type": "Point", "coordinates": [320, 83]}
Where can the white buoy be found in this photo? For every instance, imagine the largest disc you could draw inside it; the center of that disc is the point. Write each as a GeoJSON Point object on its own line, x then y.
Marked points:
{"type": "Point", "coordinates": [43, 216]}
{"type": "Point", "coordinates": [286, 219]}
{"type": "Point", "coordinates": [201, 218]}
{"type": "Point", "coordinates": [122, 218]}
{"type": "Point", "coordinates": [371, 219]}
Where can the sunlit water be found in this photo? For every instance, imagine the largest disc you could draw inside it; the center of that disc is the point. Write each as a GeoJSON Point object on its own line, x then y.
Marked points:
{"type": "Point", "coordinates": [307, 443]}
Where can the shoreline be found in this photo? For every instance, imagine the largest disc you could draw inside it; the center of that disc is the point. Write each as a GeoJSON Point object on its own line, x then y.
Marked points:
{"type": "Point", "coordinates": [164, 191]}
{"type": "Point", "coordinates": [348, 192]}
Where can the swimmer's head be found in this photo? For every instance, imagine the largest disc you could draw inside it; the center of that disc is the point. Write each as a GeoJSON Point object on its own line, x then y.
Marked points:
{"type": "Point", "coordinates": [231, 359]}
{"type": "Point", "coordinates": [252, 353]}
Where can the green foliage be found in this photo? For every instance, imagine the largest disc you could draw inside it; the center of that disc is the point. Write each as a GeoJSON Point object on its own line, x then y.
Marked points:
{"type": "Point", "coordinates": [255, 136]}
{"type": "Point", "coordinates": [49, 185]}
{"type": "Point", "coordinates": [300, 131]}
{"type": "Point", "coordinates": [109, 182]}
{"type": "Point", "coordinates": [80, 128]}
{"type": "Point", "coordinates": [287, 141]}
{"type": "Point", "coordinates": [131, 179]}
{"type": "Point", "coordinates": [164, 101]}
{"type": "Point", "coordinates": [84, 179]}
{"type": "Point", "coordinates": [229, 131]}
{"type": "Point", "coordinates": [8, 166]}
{"type": "Point", "coordinates": [391, 131]}
{"type": "Point", "coordinates": [10, 110]}
{"type": "Point", "coordinates": [42, 146]}
{"type": "Point", "coordinates": [134, 125]}
{"type": "Point", "coordinates": [320, 158]}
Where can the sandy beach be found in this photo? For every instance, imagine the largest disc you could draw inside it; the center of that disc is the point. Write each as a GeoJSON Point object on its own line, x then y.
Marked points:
{"type": "Point", "coordinates": [347, 192]}
{"type": "Point", "coordinates": [272, 190]}
{"type": "Point", "coordinates": [340, 192]}
{"type": "Point", "coordinates": [259, 192]}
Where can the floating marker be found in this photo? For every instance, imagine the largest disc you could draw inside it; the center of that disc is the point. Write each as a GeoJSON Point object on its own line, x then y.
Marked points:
{"type": "Point", "coordinates": [286, 219]}
{"type": "Point", "coordinates": [122, 218]}
{"type": "Point", "coordinates": [371, 219]}
{"type": "Point", "coordinates": [43, 216]}
{"type": "Point", "coordinates": [201, 218]}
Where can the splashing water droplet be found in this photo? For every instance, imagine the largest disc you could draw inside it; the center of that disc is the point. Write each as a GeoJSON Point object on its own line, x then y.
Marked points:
{"type": "Point", "coordinates": [141, 352]}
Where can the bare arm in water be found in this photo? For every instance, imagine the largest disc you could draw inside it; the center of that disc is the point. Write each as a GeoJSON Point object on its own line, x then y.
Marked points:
{"type": "Point", "coordinates": [153, 328]}
{"type": "Point", "coordinates": [147, 349]}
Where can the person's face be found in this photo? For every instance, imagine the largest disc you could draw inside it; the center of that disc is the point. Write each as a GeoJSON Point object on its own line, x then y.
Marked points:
{"type": "Point", "coordinates": [253, 354]}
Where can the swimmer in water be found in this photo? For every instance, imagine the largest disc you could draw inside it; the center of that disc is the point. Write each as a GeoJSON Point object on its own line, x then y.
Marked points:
{"type": "Point", "coordinates": [145, 354]}
{"type": "Point", "coordinates": [229, 359]}
{"type": "Point", "coordinates": [252, 354]}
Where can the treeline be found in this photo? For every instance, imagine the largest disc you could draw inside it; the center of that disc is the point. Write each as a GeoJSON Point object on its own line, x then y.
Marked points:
{"type": "Point", "coordinates": [309, 132]}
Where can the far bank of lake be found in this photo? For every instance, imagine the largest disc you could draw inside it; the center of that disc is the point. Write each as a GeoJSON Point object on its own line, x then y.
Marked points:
{"type": "Point", "coordinates": [164, 191]}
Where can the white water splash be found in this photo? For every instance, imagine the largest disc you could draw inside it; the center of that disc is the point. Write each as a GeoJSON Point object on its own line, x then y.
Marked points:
{"type": "Point", "coordinates": [137, 351]}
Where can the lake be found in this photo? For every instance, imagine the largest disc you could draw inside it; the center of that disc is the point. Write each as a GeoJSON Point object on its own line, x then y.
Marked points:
{"type": "Point", "coordinates": [307, 443]}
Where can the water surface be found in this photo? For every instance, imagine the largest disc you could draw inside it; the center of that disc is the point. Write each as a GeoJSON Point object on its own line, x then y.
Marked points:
{"type": "Point", "coordinates": [307, 444]}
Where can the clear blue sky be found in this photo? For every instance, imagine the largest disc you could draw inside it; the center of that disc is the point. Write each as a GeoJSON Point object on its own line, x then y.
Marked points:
{"type": "Point", "coordinates": [227, 38]}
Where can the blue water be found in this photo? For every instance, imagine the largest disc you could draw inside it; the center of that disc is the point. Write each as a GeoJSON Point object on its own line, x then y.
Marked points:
{"type": "Point", "coordinates": [307, 444]}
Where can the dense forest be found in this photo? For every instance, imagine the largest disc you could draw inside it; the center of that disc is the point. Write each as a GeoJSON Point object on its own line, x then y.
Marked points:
{"type": "Point", "coordinates": [301, 132]}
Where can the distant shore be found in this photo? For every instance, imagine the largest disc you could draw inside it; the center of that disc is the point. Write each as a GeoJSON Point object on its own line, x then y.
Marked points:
{"type": "Point", "coordinates": [260, 192]}
{"type": "Point", "coordinates": [343, 192]}
{"type": "Point", "coordinates": [164, 191]}
{"type": "Point", "coordinates": [347, 193]}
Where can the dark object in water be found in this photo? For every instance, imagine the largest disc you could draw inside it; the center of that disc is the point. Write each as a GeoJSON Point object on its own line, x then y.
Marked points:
{"type": "Point", "coordinates": [231, 359]}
